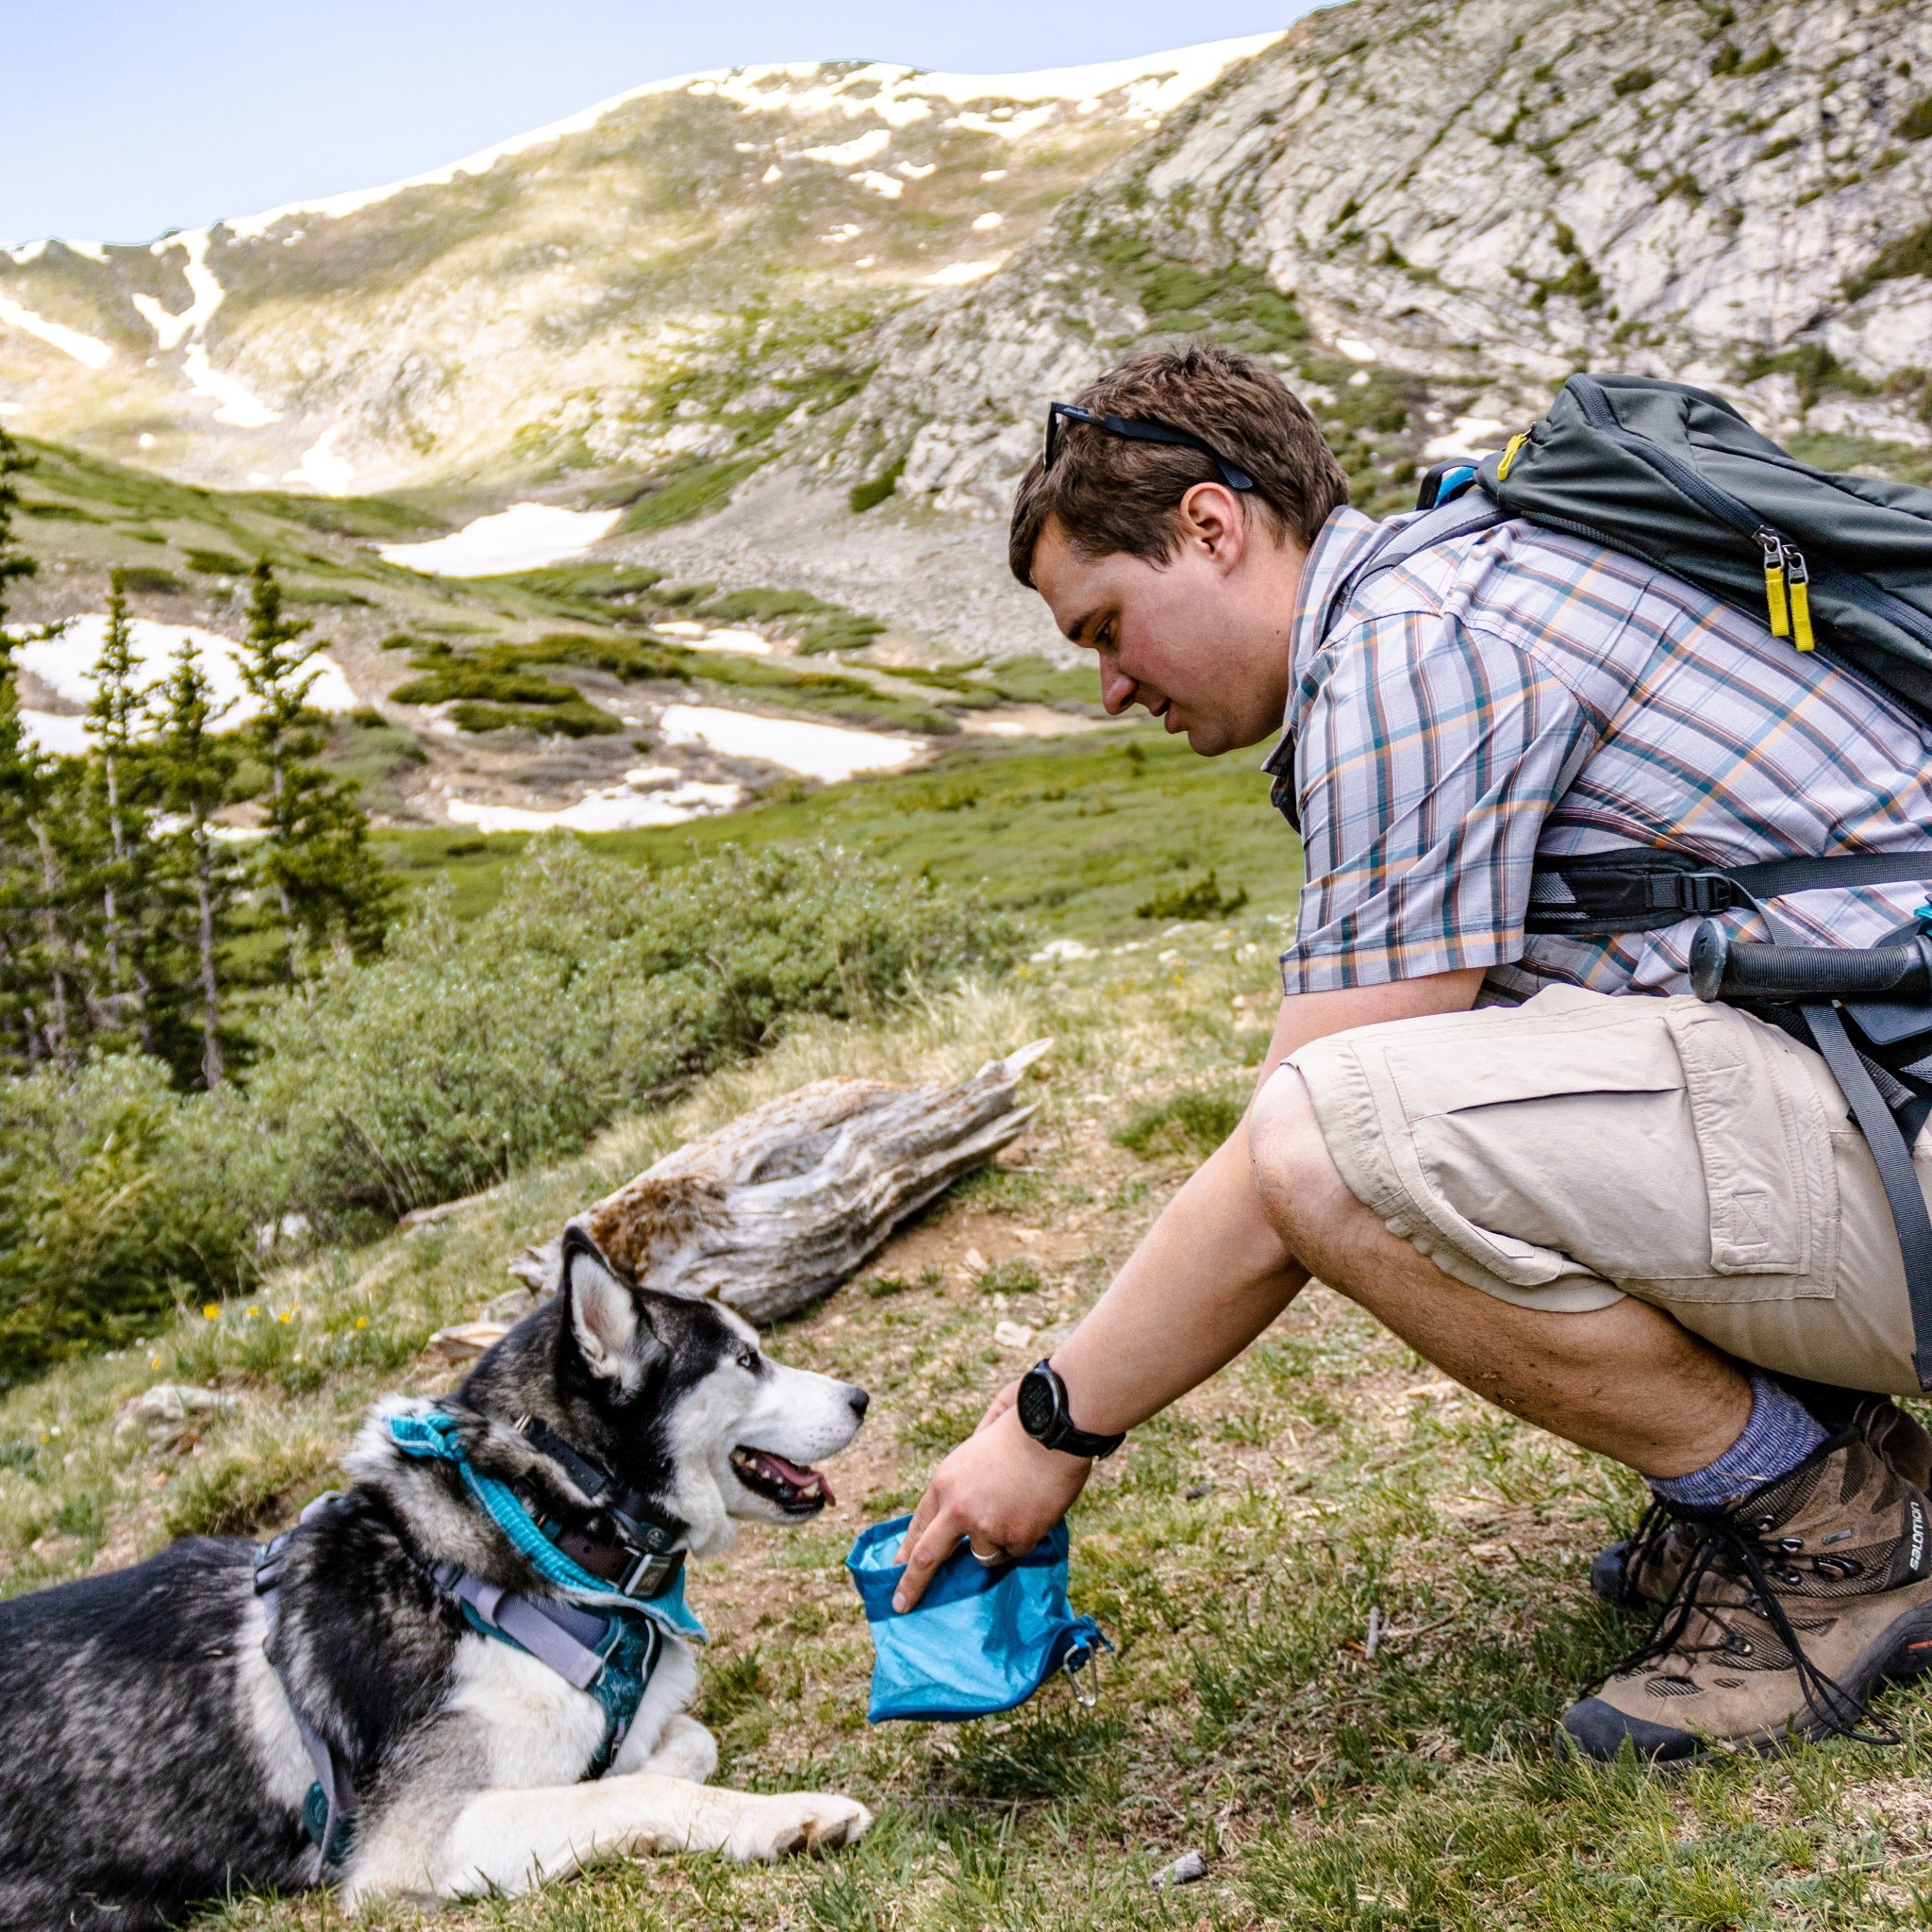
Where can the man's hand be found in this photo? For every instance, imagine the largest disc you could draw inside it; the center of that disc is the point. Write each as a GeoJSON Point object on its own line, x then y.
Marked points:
{"type": "Point", "coordinates": [999, 1487]}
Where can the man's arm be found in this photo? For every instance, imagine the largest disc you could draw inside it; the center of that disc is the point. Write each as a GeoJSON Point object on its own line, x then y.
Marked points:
{"type": "Point", "coordinates": [1209, 1276]}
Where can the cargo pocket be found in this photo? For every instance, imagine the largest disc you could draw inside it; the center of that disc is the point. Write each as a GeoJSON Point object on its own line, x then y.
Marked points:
{"type": "Point", "coordinates": [1635, 1141]}
{"type": "Point", "coordinates": [1764, 1146]}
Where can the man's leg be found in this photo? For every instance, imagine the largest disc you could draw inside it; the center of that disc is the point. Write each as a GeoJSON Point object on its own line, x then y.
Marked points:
{"type": "Point", "coordinates": [1626, 1380]}
{"type": "Point", "coordinates": [1813, 1581]}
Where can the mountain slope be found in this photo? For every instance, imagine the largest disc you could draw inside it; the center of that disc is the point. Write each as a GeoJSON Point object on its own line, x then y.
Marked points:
{"type": "Point", "coordinates": [671, 274]}
{"type": "Point", "coordinates": [1465, 202]}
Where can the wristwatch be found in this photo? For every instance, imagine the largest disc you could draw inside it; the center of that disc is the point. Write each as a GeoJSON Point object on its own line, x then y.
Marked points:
{"type": "Point", "coordinates": [1042, 1407]}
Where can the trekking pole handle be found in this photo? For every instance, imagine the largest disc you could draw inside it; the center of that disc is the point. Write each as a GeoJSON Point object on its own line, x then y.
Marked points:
{"type": "Point", "coordinates": [1722, 969]}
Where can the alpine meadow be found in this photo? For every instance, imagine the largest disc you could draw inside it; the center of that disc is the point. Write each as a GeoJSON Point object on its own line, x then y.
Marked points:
{"type": "Point", "coordinates": [505, 674]}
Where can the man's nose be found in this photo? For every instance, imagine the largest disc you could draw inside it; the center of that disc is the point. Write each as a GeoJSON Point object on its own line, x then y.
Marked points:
{"type": "Point", "coordinates": [1117, 690]}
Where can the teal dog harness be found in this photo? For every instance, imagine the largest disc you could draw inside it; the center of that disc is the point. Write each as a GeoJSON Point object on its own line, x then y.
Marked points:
{"type": "Point", "coordinates": [606, 1638]}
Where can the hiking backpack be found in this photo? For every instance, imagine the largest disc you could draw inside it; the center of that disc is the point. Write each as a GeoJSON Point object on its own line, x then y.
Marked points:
{"type": "Point", "coordinates": [1837, 564]}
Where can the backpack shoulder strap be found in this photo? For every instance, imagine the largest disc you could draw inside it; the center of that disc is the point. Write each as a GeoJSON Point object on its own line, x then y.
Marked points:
{"type": "Point", "coordinates": [1466, 513]}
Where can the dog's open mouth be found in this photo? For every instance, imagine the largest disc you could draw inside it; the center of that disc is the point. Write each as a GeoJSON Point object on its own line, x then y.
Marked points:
{"type": "Point", "coordinates": [797, 1492]}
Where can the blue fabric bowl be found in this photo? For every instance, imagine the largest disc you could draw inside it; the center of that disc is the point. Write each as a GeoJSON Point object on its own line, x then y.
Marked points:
{"type": "Point", "coordinates": [980, 1641]}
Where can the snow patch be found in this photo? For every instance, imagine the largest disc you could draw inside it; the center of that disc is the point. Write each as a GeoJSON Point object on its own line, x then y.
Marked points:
{"type": "Point", "coordinates": [745, 644]}
{"type": "Point", "coordinates": [984, 223]}
{"type": "Point", "coordinates": [774, 173]}
{"type": "Point", "coordinates": [851, 154]}
{"type": "Point", "coordinates": [1355, 349]}
{"type": "Point", "coordinates": [85, 349]}
{"type": "Point", "coordinates": [65, 664]}
{"type": "Point", "coordinates": [27, 252]}
{"type": "Point", "coordinates": [830, 752]}
{"type": "Point", "coordinates": [239, 404]}
{"type": "Point", "coordinates": [92, 250]}
{"type": "Point", "coordinates": [204, 294]}
{"type": "Point", "coordinates": [321, 469]}
{"type": "Point", "coordinates": [897, 95]}
{"type": "Point", "coordinates": [957, 274]}
{"type": "Point", "coordinates": [1468, 436]}
{"type": "Point", "coordinates": [615, 808]}
{"type": "Point", "coordinates": [52, 732]}
{"type": "Point", "coordinates": [527, 536]}
{"type": "Point", "coordinates": [888, 185]}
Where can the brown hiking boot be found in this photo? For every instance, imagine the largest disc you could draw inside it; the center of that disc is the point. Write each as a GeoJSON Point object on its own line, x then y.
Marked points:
{"type": "Point", "coordinates": [1797, 1603]}
{"type": "Point", "coordinates": [1646, 1568]}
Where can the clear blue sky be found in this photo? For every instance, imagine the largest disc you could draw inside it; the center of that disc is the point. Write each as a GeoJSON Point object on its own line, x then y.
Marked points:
{"type": "Point", "coordinates": [120, 118]}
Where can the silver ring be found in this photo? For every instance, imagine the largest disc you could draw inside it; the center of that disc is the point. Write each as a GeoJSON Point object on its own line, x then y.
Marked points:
{"type": "Point", "coordinates": [992, 1562]}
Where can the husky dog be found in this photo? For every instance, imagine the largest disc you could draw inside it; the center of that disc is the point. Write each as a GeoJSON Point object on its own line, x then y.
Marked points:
{"type": "Point", "coordinates": [354, 1709]}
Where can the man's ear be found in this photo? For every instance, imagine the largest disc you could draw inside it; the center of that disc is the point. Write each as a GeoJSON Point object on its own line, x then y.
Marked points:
{"type": "Point", "coordinates": [616, 1342]}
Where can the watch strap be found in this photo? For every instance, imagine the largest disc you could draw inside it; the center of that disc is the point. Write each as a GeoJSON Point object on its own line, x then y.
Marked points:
{"type": "Point", "coordinates": [1061, 1433]}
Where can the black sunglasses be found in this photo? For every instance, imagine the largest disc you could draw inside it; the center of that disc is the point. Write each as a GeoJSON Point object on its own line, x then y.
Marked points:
{"type": "Point", "coordinates": [1141, 430]}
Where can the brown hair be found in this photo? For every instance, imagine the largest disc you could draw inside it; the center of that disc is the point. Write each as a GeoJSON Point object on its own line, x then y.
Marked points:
{"type": "Point", "coordinates": [1110, 495]}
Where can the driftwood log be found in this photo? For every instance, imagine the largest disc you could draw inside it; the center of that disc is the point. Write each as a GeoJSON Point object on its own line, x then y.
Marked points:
{"type": "Point", "coordinates": [789, 1202]}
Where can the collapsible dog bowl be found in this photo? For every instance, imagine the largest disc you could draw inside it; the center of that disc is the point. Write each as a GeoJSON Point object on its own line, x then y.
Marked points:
{"type": "Point", "coordinates": [980, 1641]}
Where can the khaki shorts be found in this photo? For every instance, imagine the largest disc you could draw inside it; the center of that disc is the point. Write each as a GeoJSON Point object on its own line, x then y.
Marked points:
{"type": "Point", "coordinates": [1563, 1154]}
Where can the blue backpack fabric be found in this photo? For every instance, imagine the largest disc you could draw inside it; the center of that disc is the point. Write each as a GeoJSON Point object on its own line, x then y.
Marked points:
{"type": "Point", "coordinates": [981, 1640]}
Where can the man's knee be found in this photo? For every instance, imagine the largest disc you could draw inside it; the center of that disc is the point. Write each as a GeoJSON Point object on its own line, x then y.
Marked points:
{"type": "Point", "coordinates": [1296, 1178]}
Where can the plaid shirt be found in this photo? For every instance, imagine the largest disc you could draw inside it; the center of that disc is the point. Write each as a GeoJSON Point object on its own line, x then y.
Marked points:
{"type": "Point", "coordinates": [1519, 693]}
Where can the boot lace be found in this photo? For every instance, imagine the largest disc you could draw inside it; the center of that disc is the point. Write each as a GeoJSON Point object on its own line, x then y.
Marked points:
{"type": "Point", "coordinates": [1722, 1547]}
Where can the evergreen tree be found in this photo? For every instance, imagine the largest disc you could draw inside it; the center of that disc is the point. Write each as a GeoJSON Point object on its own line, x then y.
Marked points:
{"type": "Point", "coordinates": [119, 784]}
{"type": "Point", "coordinates": [195, 774]}
{"type": "Point", "coordinates": [29, 1016]}
{"type": "Point", "coordinates": [317, 864]}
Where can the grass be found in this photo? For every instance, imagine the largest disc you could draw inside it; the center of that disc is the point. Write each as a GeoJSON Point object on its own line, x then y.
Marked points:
{"type": "Point", "coordinates": [1234, 1552]}
{"type": "Point", "coordinates": [1071, 832]}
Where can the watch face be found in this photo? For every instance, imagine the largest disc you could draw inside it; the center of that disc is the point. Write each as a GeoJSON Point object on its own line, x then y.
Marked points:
{"type": "Point", "coordinates": [1037, 1405]}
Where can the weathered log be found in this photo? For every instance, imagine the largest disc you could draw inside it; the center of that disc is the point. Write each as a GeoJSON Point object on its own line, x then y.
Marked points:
{"type": "Point", "coordinates": [784, 1205]}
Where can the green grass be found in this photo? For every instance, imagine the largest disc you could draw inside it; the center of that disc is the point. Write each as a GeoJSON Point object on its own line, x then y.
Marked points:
{"type": "Point", "coordinates": [1071, 832]}
{"type": "Point", "coordinates": [690, 492]}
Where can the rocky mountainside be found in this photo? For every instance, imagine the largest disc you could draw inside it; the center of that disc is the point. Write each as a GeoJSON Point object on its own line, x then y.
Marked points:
{"type": "Point", "coordinates": [1457, 205]}
{"type": "Point", "coordinates": [668, 276]}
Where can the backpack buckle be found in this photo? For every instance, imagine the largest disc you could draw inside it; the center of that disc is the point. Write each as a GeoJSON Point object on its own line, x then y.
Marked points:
{"type": "Point", "coordinates": [1698, 893]}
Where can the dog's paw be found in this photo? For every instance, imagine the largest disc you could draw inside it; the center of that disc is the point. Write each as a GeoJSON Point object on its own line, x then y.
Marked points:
{"type": "Point", "coordinates": [798, 1822]}
{"type": "Point", "coordinates": [684, 1750]}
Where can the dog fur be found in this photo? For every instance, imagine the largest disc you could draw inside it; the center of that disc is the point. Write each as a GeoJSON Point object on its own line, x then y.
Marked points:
{"type": "Point", "coordinates": [149, 1758]}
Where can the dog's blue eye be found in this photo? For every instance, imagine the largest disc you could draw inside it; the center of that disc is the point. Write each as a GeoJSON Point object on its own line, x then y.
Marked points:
{"type": "Point", "coordinates": [748, 1359]}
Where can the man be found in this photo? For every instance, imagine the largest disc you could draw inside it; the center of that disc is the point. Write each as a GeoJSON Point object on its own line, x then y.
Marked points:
{"type": "Point", "coordinates": [1641, 1222]}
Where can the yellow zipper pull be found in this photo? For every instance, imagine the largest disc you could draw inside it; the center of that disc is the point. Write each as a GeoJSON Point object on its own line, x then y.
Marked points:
{"type": "Point", "coordinates": [1774, 583]}
{"type": "Point", "coordinates": [1516, 442]}
{"type": "Point", "coordinates": [1798, 575]}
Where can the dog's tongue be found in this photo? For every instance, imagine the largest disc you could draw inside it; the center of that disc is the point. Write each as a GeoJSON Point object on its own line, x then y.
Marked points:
{"type": "Point", "coordinates": [808, 1481]}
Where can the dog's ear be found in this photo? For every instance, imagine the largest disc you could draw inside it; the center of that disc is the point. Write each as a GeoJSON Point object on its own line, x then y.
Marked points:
{"type": "Point", "coordinates": [612, 1333]}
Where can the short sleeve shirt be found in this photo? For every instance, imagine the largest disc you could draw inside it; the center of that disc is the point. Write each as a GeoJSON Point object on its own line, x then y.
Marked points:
{"type": "Point", "coordinates": [1520, 694]}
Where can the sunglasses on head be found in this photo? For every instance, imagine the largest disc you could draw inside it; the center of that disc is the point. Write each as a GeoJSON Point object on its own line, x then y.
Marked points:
{"type": "Point", "coordinates": [1141, 430]}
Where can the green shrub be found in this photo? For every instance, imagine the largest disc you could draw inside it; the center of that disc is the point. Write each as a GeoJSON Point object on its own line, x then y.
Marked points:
{"type": "Point", "coordinates": [589, 991]}
{"type": "Point", "coordinates": [874, 489]}
{"type": "Point", "coordinates": [157, 583]}
{"type": "Point", "coordinates": [692, 491]}
{"type": "Point", "coordinates": [217, 563]}
{"type": "Point", "coordinates": [1191, 1124]}
{"type": "Point", "coordinates": [1204, 899]}
{"type": "Point", "coordinates": [114, 1205]}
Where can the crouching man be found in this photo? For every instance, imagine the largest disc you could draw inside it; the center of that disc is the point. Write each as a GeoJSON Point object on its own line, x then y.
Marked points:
{"type": "Point", "coordinates": [1641, 1222]}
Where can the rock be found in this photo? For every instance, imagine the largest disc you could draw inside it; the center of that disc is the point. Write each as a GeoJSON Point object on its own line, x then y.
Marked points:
{"type": "Point", "coordinates": [1011, 1334]}
{"type": "Point", "coordinates": [1185, 1870]}
{"type": "Point", "coordinates": [162, 1409]}
{"type": "Point", "coordinates": [783, 1206]}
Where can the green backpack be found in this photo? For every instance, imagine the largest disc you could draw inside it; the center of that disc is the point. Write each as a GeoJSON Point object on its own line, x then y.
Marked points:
{"type": "Point", "coordinates": [1840, 565]}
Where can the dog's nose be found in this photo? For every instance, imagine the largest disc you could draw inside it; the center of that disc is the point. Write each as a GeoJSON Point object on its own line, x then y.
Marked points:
{"type": "Point", "coordinates": [860, 1400]}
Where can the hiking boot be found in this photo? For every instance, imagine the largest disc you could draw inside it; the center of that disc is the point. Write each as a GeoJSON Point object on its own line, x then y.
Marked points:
{"type": "Point", "coordinates": [1645, 1568]}
{"type": "Point", "coordinates": [1796, 1603]}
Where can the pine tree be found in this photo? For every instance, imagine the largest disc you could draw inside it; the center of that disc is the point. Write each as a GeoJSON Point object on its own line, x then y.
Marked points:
{"type": "Point", "coordinates": [119, 782]}
{"type": "Point", "coordinates": [29, 1013]}
{"type": "Point", "coordinates": [195, 774]}
{"type": "Point", "coordinates": [317, 864]}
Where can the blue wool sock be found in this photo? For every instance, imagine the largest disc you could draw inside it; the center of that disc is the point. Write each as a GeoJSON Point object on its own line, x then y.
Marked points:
{"type": "Point", "coordinates": [1779, 1436]}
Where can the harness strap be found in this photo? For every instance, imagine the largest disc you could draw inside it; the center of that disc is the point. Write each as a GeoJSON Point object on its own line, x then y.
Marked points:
{"type": "Point", "coordinates": [329, 1811]}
